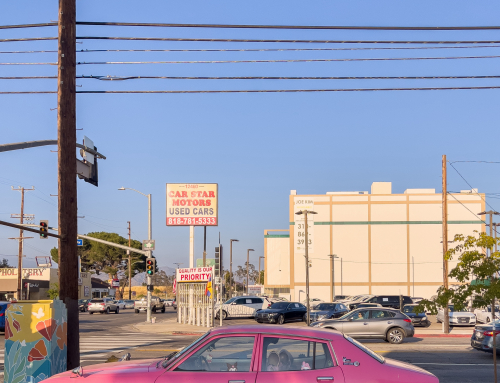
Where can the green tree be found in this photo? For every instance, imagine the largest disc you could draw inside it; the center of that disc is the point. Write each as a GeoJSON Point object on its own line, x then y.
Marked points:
{"type": "Point", "coordinates": [261, 278]}
{"type": "Point", "coordinates": [53, 292]}
{"type": "Point", "coordinates": [4, 264]}
{"type": "Point", "coordinates": [253, 275]}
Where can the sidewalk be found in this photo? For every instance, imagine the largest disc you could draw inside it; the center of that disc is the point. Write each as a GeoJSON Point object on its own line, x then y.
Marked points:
{"type": "Point", "coordinates": [171, 327]}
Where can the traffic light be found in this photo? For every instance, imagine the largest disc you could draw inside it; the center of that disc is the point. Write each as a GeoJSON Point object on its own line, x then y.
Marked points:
{"type": "Point", "coordinates": [217, 261]}
{"type": "Point", "coordinates": [44, 229]}
{"type": "Point", "coordinates": [150, 266]}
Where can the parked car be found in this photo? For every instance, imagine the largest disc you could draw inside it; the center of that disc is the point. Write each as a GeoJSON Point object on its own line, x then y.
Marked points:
{"type": "Point", "coordinates": [391, 301]}
{"type": "Point", "coordinates": [328, 311]}
{"type": "Point", "coordinates": [174, 303]}
{"type": "Point", "coordinates": [241, 307]}
{"type": "Point", "coordinates": [416, 319]}
{"type": "Point", "coordinates": [83, 304]}
{"type": "Point", "coordinates": [457, 318]}
{"type": "Point", "coordinates": [3, 307]}
{"type": "Point", "coordinates": [281, 312]}
{"type": "Point", "coordinates": [102, 305]}
{"type": "Point", "coordinates": [387, 324]}
{"type": "Point", "coordinates": [482, 337]}
{"type": "Point", "coordinates": [120, 303]}
{"type": "Point", "coordinates": [364, 305]}
{"type": "Point", "coordinates": [259, 354]}
{"type": "Point", "coordinates": [484, 315]}
{"type": "Point", "coordinates": [142, 305]}
{"type": "Point", "coordinates": [168, 302]}
{"type": "Point", "coordinates": [416, 299]}
{"type": "Point", "coordinates": [129, 303]}
{"type": "Point", "coordinates": [340, 298]}
{"type": "Point", "coordinates": [312, 302]}
{"type": "Point", "coordinates": [354, 301]}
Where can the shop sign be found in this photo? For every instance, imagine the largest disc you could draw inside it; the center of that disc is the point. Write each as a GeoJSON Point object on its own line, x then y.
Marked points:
{"type": "Point", "coordinates": [192, 204]}
{"type": "Point", "coordinates": [195, 274]}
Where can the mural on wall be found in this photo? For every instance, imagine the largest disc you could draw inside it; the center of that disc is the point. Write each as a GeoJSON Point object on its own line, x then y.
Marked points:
{"type": "Point", "coordinates": [35, 341]}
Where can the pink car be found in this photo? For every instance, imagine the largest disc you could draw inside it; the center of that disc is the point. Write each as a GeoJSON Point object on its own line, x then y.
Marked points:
{"type": "Point", "coordinates": [259, 354]}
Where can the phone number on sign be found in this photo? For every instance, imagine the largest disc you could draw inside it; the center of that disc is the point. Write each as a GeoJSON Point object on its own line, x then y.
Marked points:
{"type": "Point", "coordinates": [192, 221]}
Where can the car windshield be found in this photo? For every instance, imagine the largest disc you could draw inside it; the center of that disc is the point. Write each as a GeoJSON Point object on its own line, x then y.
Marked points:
{"type": "Point", "coordinates": [374, 355]}
{"type": "Point", "coordinates": [496, 309]}
{"type": "Point", "coordinates": [325, 306]}
{"type": "Point", "coordinates": [185, 350]}
{"type": "Point", "coordinates": [452, 309]}
{"type": "Point", "coordinates": [279, 305]}
{"type": "Point", "coordinates": [408, 309]}
{"type": "Point", "coordinates": [230, 300]}
{"type": "Point", "coordinates": [346, 315]}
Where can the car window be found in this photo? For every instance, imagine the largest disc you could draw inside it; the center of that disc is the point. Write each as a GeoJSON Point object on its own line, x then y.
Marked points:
{"type": "Point", "coordinates": [279, 305]}
{"type": "Point", "coordinates": [361, 315]}
{"type": "Point", "coordinates": [257, 300]}
{"type": "Point", "coordinates": [382, 314]}
{"type": "Point", "coordinates": [342, 307]}
{"type": "Point", "coordinates": [96, 301]}
{"type": "Point", "coordinates": [230, 301]}
{"type": "Point", "coordinates": [407, 300]}
{"type": "Point", "coordinates": [280, 354]}
{"type": "Point", "coordinates": [408, 309]}
{"type": "Point", "coordinates": [374, 355]}
{"type": "Point", "coordinates": [240, 301]}
{"type": "Point", "coordinates": [325, 306]}
{"type": "Point", "coordinates": [226, 354]}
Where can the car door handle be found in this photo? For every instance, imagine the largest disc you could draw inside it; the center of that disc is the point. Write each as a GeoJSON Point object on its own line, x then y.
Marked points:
{"type": "Point", "coordinates": [365, 323]}
{"type": "Point", "coordinates": [389, 322]}
{"type": "Point", "coordinates": [236, 381]}
{"type": "Point", "coordinates": [324, 378]}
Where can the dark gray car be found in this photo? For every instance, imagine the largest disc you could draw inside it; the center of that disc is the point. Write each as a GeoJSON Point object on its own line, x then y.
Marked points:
{"type": "Point", "coordinates": [482, 337]}
{"type": "Point", "coordinates": [375, 323]}
{"type": "Point", "coordinates": [328, 311]}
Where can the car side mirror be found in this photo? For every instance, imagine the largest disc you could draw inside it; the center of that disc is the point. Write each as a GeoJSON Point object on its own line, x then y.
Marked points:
{"type": "Point", "coordinates": [233, 303]}
{"type": "Point", "coordinates": [350, 319]}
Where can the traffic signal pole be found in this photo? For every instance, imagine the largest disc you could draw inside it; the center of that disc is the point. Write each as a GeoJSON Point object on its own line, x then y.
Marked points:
{"type": "Point", "coordinates": [67, 193]}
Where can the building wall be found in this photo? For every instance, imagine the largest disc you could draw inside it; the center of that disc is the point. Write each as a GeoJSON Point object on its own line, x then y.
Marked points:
{"type": "Point", "coordinates": [389, 243]}
{"type": "Point", "coordinates": [277, 266]}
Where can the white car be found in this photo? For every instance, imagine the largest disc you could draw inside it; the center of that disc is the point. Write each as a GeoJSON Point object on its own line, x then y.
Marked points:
{"type": "Point", "coordinates": [312, 302]}
{"type": "Point", "coordinates": [457, 318]}
{"type": "Point", "coordinates": [484, 315]}
{"type": "Point", "coordinates": [241, 307]}
{"type": "Point", "coordinates": [120, 304]}
{"type": "Point", "coordinates": [168, 302]}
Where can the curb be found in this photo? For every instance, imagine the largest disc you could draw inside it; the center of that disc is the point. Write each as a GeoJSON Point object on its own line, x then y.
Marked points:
{"type": "Point", "coordinates": [442, 336]}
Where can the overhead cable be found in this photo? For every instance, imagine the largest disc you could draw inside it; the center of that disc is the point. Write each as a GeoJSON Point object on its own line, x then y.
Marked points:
{"type": "Point", "coordinates": [28, 39]}
{"type": "Point", "coordinates": [28, 26]}
{"type": "Point", "coordinates": [272, 61]}
{"type": "Point", "coordinates": [322, 27]}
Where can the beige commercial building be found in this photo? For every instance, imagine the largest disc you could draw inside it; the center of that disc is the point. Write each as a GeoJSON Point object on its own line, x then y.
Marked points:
{"type": "Point", "coordinates": [385, 243]}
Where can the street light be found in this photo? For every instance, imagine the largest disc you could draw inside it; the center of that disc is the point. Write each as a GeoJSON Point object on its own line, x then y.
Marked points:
{"type": "Point", "coordinates": [248, 263]}
{"type": "Point", "coordinates": [306, 242]}
{"type": "Point", "coordinates": [231, 266]}
{"type": "Point", "coordinates": [332, 257]}
{"type": "Point", "coordinates": [148, 311]}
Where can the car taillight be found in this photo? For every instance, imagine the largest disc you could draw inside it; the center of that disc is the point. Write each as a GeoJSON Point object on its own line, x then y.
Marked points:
{"type": "Point", "coordinates": [407, 320]}
{"type": "Point", "coordinates": [102, 304]}
{"type": "Point", "coordinates": [2, 314]}
{"type": "Point", "coordinates": [490, 333]}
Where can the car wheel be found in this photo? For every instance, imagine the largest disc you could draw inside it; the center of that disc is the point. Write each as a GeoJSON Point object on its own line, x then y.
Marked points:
{"type": "Point", "coordinates": [137, 311]}
{"type": "Point", "coordinates": [153, 310]}
{"type": "Point", "coordinates": [117, 310]}
{"type": "Point", "coordinates": [395, 335]}
{"type": "Point", "coordinates": [163, 309]}
{"type": "Point", "coordinates": [487, 319]}
{"type": "Point", "coordinates": [91, 312]}
{"type": "Point", "coordinates": [281, 319]}
{"type": "Point", "coordinates": [304, 318]}
{"type": "Point", "coordinates": [107, 310]}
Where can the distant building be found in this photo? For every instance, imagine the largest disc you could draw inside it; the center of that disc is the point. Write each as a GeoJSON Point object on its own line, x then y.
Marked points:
{"type": "Point", "coordinates": [100, 288]}
{"type": "Point", "coordinates": [386, 243]}
{"type": "Point", "coordinates": [35, 283]}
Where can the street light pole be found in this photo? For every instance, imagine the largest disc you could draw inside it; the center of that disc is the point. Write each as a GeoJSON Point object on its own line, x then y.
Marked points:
{"type": "Point", "coordinates": [231, 266]}
{"type": "Point", "coordinates": [306, 243]}
{"type": "Point", "coordinates": [248, 264]}
{"type": "Point", "coordinates": [149, 254]}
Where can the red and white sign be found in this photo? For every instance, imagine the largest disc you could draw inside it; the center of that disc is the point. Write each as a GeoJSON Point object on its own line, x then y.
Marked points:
{"type": "Point", "coordinates": [115, 283]}
{"type": "Point", "coordinates": [192, 204]}
{"type": "Point", "coordinates": [195, 274]}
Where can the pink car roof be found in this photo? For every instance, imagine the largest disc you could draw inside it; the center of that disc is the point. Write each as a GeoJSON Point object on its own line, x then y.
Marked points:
{"type": "Point", "coordinates": [273, 329]}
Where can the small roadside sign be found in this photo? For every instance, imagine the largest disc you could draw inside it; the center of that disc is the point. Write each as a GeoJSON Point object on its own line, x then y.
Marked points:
{"type": "Point", "coordinates": [148, 244]}
{"type": "Point", "coordinates": [79, 242]}
{"type": "Point", "coordinates": [217, 280]}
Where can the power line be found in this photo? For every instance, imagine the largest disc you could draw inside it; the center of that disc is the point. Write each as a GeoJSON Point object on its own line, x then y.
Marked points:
{"type": "Point", "coordinates": [322, 27]}
{"type": "Point", "coordinates": [28, 26]}
{"type": "Point", "coordinates": [475, 215]}
{"type": "Point", "coordinates": [282, 41]}
{"type": "Point", "coordinates": [267, 61]}
{"type": "Point", "coordinates": [259, 91]}
{"type": "Point", "coordinates": [484, 162]}
{"type": "Point", "coordinates": [461, 176]}
{"type": "Point", "coordinates": [28, 39]}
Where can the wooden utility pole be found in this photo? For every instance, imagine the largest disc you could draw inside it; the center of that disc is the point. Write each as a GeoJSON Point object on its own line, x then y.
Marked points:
{"type": "Point", "coordinates": [21, 243]}
{"type": "Point", "coordinates": [129, 266]}
{"type": "Point", "coordinates": [67, 193]}
{"type": "Point", "coordinates": [445, 243]}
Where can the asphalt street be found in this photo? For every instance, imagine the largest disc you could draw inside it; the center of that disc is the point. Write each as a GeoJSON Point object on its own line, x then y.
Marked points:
{"type": "Point", "coordinates": [103, 336]}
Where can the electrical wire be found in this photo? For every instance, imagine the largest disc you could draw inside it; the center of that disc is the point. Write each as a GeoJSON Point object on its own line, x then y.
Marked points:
{"type": "Point", "coordinates": [254, 50]}
{"type": "Point", "coordinates": [27, 77]}
{"type": "Point", "coordinates": [471, 188]}
{"type": "Point", "coordinates": [266, 61]}
{"type": "Point", "coordinates": [112, 78]}
{"type": "Point", "coordinates": [28, 63]}
{"type": "Point", "coordinates": [484, 162]}
{"type": "Point", "coordinates": [280, 41]}
{"type": "Point", "coordinates": [322, 27]}
{"type": "Point", "coordinates": [28, 26]}
{"type": "Point", "coordinates": [28, 39]}
{"type": "Point", "coordinates": [475, 215]}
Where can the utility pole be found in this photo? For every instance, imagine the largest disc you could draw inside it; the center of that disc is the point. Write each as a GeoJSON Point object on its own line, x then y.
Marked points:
{"type": "Point", "coordinates": [248, 264]}
{"type": "Point", "coordinates": [66, 168]}
{"type": "Point", "coordinates": [306, 255]}
{"type": "Point", "coordinates": [21, 242]}
{"type": "Point", "coordinates": [231, 266]}
{"type": "Point", "coordinates": [491, 213]}
{"type": "Point", "coordinates": [204, 246]}
{"type": "Point", "coordinates": [129, 265]}
{"type": "Point", "coordinates": [446, 322]}
{"type": "Point", "coordinates": [332, 257]}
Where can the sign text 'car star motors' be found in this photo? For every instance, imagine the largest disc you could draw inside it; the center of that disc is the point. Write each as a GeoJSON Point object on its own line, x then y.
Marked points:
{"type": "Point", "coordinates": [192, 204]}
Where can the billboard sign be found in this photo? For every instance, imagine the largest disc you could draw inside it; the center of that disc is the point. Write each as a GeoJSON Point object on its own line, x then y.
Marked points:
{"type": "Point", "coordinates": [195, 274]}
{"type": "Point", "coordinates": [208, 262]}
{"type": "Point", "coordinates": [192, 204]}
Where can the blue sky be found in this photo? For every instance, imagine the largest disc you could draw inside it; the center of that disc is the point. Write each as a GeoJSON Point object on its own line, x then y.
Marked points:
{"type": "Point", "coordinates": [256, 146]}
